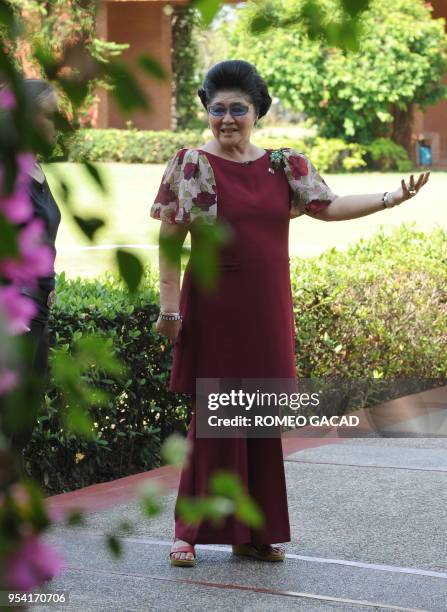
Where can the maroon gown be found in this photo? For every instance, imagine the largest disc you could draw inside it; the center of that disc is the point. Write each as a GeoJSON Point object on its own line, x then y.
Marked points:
{"type": "Point", "coordinates": [244, 329]}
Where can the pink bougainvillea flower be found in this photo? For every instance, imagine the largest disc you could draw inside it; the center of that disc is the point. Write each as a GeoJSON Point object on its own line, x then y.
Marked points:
{"type": "Point", "coordinates": [8, 381]}
{"type": "Point", "coordinates": [26, 162]}
{"type": "Point", "coordinates": [16, 310]}
{"type": "Point", "coordinates": [298, 166]}
{"type": "Point", "coordinates": [17, 206]}
{"type": "Point", "coordinates": [7, 99]}
{"type": "Point", "coordinates": [32, 564]}
{"type": "Point", "coordinates": [36, 259]}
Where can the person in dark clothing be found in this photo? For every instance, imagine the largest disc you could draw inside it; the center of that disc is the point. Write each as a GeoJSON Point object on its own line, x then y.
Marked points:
{"type": "Point", "coordinates": [44, 103]}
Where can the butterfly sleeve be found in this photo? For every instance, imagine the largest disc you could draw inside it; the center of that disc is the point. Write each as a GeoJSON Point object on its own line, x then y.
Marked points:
{"type": "Point", "coordinates": [310, 193]}
{"type": "Point", "coordinates": [187, 190]}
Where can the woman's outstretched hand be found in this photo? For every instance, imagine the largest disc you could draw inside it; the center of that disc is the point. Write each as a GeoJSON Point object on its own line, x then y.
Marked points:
{"type": "Point", "coordinates": [170, 329]}
{"type": "Point", "coordinates": [403, 193]}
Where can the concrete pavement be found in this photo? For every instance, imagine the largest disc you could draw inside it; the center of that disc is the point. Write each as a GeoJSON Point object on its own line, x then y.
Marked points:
{"type": "Point", "coordinates": [369, 532]}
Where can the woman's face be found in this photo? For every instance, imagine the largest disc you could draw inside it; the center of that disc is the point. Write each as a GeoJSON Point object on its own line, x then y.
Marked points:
{"type": "Point", "coordinates": [231, 130]}
{"type": "Point", "coordinates": [44, 120]}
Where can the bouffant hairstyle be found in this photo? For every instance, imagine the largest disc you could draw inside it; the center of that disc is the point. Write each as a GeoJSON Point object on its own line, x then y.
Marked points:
{"type": "Point", "coordinates": [236, 75]}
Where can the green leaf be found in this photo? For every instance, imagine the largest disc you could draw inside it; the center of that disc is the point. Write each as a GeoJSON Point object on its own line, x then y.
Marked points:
{"type": "Point", "coordinates": [39, 516]}
{"type": "Point", "coordinates": [95, 174]}
{"type": "Point", "coordinates": [226, 484]}
{"type": "Point", "coordinates": [355, 7]}
{"type": "Point", "coordinates": [114, 546]}
{"type": "Point", "coordinates": [89, 226]}
{"type": "Point", "coordinates": [210, 237]}
{"type": "Point", "coordinates": [75, 517]}
{"type": "Point", "coordinates": [130, 269]}
{"type": "Point", "coordinates": [62, 124]}
{"type": "Point", "coordinates": [249, 512]}
{"type": "Point", "coordinates": [190, 509]}
{"type": "Point", "coordinates": [75, 88]}
{"type": "Point", "coordinates": [127, 92]}
{"type": "Point", "coordinates": [207, 9]}
{"type": "Point", "coordinates": [152, 67]}
{"type": "Point", "coordinates": [149, 495]}
{"type": "Point", "coordinates": [8, 242]}
{"type": "Point", "coordinates": [79, 421]}
{"type": "Point", "coordinates": [172, 248]}
{"type": "Point", "coordinates": [94, 351]}
{"type": "Point", "coordinates": [219, 507]}
{"type": "Point", "coordinates": [6, 15]}
{"type": "Point", "coordinates": [175, 450]}
{"type": "Point", "coordinates": [47, 61]}
{"type": "Point", "coordinates": [7, 66]}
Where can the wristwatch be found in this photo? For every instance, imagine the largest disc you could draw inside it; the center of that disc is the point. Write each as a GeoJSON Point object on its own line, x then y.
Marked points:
{"type": "Point", "coordinates": [387, 201]}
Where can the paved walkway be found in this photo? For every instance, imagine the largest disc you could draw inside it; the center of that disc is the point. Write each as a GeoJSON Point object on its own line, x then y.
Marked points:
{"type": "Point", "coordinates": [369, 531]}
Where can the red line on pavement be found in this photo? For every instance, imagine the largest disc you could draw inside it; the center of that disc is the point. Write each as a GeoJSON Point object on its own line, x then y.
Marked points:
{"type": "Point", "coordinates": [364, 465]}
{"type": "Point", "coordinates": [252, 589]}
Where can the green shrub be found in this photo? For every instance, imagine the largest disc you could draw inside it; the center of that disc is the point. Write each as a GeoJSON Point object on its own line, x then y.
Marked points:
{"type": "Point", "coordinates": [384, 154]}
{"type": "Point", "coordinates": [336, 155]}
{"type": "Point", "coordinates": [130, 146]}
{"type": "Point", "coordinates": [141, 412]}
{"type": "Point", "coordinates": [378, 310]}
{"type": "Point", "coordinates": [139, 146]}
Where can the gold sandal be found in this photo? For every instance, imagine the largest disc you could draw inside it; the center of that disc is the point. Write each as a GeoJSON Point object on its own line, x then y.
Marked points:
{"type": "Point", "coordinates": [187, 548]}
{"type": "Point", "coordinates": [263, 552]}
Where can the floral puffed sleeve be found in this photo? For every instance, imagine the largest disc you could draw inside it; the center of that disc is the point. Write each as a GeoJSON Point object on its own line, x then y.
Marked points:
{"type": "Point", "coordinates": [187, 191]}
{"type": "Point", "coordinates": [309, 191]}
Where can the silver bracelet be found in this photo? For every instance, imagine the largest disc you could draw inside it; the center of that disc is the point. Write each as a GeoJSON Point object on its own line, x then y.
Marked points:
{"type": "Point", "coordinates": [170, 316]}
{"type": "Point", "coordinates": [386, 200]}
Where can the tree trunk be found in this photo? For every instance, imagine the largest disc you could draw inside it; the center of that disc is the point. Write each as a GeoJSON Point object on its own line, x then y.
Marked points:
{"type": "Point", "coordinates": [402, 126]}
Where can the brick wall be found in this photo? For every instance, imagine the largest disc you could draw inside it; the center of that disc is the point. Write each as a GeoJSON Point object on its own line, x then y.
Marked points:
{"type": "Point", "coordinates": [148, 30]}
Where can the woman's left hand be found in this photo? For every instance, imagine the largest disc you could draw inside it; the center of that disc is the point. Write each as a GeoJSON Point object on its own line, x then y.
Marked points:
{"type": "Point", "coordinates": [403, 193]}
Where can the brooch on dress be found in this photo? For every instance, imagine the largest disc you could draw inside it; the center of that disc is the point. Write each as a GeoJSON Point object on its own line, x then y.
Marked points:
{"type": "Point", "coordinates": [276, 160]}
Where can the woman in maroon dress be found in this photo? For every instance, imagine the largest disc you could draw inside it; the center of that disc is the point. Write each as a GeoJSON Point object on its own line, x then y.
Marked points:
{"type": "Point", "coordinates": [245, 328]}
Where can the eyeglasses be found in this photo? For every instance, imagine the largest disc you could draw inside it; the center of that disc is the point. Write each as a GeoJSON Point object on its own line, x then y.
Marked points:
{"type": "Point", "coordinates": [236, 110]}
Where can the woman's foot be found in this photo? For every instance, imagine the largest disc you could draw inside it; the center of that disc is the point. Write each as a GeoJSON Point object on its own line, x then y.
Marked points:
{"type": "Point", "coordinates": [182, 553]}
{"type": "Point", "coordinates": [262, 552]}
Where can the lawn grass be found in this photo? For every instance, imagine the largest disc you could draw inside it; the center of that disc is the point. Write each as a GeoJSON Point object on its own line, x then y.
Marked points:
{"type": "Point", "coordinates": [132, 188]}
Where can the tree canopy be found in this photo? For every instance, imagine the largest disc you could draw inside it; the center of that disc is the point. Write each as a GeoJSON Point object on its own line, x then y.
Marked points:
{"type": "Point", "coordinates": [357, 95]}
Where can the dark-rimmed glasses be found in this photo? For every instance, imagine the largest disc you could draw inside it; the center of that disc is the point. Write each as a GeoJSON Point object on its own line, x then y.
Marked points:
{"type": "Point", "coordinates": [236, 110]}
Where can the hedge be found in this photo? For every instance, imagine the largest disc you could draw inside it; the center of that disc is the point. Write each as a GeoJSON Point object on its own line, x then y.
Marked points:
{"type": "Point", "coordinates": [328, 154]}
{"type": "Point", "coordinates": [378, 310]}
